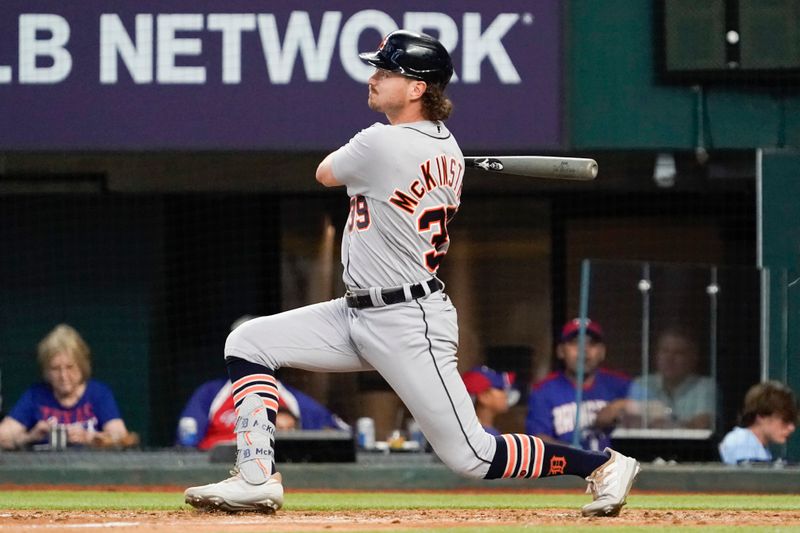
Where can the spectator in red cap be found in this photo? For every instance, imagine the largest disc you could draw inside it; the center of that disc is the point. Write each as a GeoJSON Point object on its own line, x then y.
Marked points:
{"type": "Point", "coordinates": [552, 402]}
{"type": "Point", "coordinates": [491, 393]}
{"type": "Point", "coordinates": [209, 418]}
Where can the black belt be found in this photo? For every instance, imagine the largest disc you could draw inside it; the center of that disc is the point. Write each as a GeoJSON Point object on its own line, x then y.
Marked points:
{"type": "Point", "coordinates": [395, 295]}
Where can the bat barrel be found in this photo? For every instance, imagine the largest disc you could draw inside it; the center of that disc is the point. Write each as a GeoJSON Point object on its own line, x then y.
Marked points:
{"type": "Point", "coordinates": [565, 168]}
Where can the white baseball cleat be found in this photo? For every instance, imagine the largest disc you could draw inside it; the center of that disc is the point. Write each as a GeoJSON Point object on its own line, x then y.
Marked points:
{"type": "Point", "coordinates": [236, 495]}
{"type": "Point", "coordinates": [610, 484]}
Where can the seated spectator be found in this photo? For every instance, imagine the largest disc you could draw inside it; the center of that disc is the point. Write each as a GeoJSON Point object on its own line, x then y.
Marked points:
{"type": "Point", "coordinates": [209, 417]}
{"type": "Point", "coordinates": [769, 416]}
{"type": "Point", "coordinates": [675, 396]}
{"type": "Point", "coordinates": [67, 396]}
{"type": "Point", "coordinates": [491, 393]}
{"type": "Point", "coordinates": [552, 402]}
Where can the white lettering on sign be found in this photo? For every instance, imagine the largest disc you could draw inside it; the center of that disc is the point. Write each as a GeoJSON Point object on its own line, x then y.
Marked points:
{"type": "Point", "coordinates": [167, 48]}
{"type": "Point", "coordinates": [52, 46]}
{"type": "Point", "coordinates": [299, 37]}
{"type": "Point", "coordinates": [348, 40]}
{"type": "Point", "coordinates": [137, 55]}
{"type": "Point", "coordinates": [170, 46]}
{"type": "Point", "coordinates": [231, 27]}
{"type": "Point", "coordinates": [488, 45]}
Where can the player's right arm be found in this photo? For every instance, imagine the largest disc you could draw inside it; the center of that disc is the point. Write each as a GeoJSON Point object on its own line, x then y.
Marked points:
{"type": "Point", "coordinates": [357, 163]}
{"type": "Point", "coordinates": [325, 172]}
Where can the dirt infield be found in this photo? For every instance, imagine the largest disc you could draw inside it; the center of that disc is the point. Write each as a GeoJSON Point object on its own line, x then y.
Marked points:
{"type": "Point", "coordinates": [195, 521]}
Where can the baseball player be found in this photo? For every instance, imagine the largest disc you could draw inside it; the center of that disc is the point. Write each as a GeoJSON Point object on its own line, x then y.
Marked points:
{"type": "Point", "coordinates": [404, 180]}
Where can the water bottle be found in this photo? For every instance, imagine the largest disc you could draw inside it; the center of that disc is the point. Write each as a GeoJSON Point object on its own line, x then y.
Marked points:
{"type": "Point", "coordinates": [187, 432]}
{"type": "Point", "coordinates": [58, 437]}
{"type": "Point", "coordinates": [365, 428]}
{"type": "Point", "coordinates": [415, 434]}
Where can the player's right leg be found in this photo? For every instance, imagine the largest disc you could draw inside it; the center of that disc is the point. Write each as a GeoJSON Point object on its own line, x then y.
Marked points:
{"type": "Point", "coordinates": [610, 474]}
{"type": "Point", "coordinates": [315, 337]}
{"type": "Point", "coordinates": [424, 374]}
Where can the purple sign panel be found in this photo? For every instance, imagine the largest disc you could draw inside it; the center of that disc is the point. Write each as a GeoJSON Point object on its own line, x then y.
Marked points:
{"type": "Point", "coordinates": [257, 75]}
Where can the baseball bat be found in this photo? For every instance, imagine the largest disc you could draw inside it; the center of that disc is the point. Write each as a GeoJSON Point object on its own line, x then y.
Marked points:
{"type": "Point", "coordinates": [537, 166]}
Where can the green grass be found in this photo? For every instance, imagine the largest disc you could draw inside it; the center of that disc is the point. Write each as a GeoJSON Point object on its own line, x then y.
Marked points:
{"type": "Point", "coordinates": [333, 501]}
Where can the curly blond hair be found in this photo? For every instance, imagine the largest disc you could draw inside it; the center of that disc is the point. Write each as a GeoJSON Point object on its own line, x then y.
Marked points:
{"type": "Point", "coordinates": [435, 105]}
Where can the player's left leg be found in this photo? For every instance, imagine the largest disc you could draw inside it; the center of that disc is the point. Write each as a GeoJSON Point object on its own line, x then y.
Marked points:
{"type": "Point", "coordinates": [314, 337]}
{"type": "Point", "coordinates": [423, 372]}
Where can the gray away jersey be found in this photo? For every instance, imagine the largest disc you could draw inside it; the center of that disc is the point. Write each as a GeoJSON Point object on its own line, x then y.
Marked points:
{"type": "Point", "coordinates": [404, 184]}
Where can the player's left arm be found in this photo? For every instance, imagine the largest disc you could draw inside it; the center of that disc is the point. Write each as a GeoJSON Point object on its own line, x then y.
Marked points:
{"type": "Point", "coordinates": [325, 174]}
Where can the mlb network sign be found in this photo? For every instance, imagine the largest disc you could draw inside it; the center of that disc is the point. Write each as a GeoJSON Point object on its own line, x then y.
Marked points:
{"type": "Point", "coordinates": [208, 75]}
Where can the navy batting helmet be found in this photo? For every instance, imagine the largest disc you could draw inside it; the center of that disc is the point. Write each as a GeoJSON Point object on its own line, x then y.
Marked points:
{"type": "Point", "coordinates": [414, 55]}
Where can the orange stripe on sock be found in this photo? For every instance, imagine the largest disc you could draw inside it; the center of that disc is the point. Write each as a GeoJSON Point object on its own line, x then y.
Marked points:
{"type": "Point", "coordinates": [512, 455]}
{"type": "Point", "coordinates": [260, 387]}
{"type": "Point", "coordinates": [525, 455]}
{"type": "Point", "coordinates": [538, 457]}
{"type": "Point", "coordinates": [270, 404]}
{"type": "Point", "coordinates": [254, 389]}
{"type": "Point", "coordinates": [253, 377]}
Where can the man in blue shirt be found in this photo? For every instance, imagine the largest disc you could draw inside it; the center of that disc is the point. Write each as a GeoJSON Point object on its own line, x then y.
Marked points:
{"type": "Point", "coordinates": [552, 405]}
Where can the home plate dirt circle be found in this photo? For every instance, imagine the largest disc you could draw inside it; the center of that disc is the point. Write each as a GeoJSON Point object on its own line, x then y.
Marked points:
{"type": "Point", "coordinates": [202, 522]}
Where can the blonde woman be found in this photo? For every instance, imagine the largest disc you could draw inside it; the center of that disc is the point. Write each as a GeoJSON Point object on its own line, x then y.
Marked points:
{"type": "Point", "coordinates": [66, 396]}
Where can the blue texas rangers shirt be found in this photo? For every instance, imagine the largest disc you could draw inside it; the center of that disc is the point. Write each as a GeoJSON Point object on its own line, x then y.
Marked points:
{"type": "Point", "coordinates": [96, 407]}
{"type": "Point", "coordinates": [211, 408]}
{"type": "Point", "coordinates": [551, 406]}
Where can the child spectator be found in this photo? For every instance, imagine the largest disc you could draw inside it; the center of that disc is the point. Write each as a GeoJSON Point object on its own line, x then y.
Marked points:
{"type": "Point", "coordinates": [491, 393]}
{"type": "Point", "coordinates": [769, 416]}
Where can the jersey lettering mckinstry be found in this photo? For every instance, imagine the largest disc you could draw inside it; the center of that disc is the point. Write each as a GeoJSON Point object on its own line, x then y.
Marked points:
{"type": "Point", "coordinates": [405, 185]}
